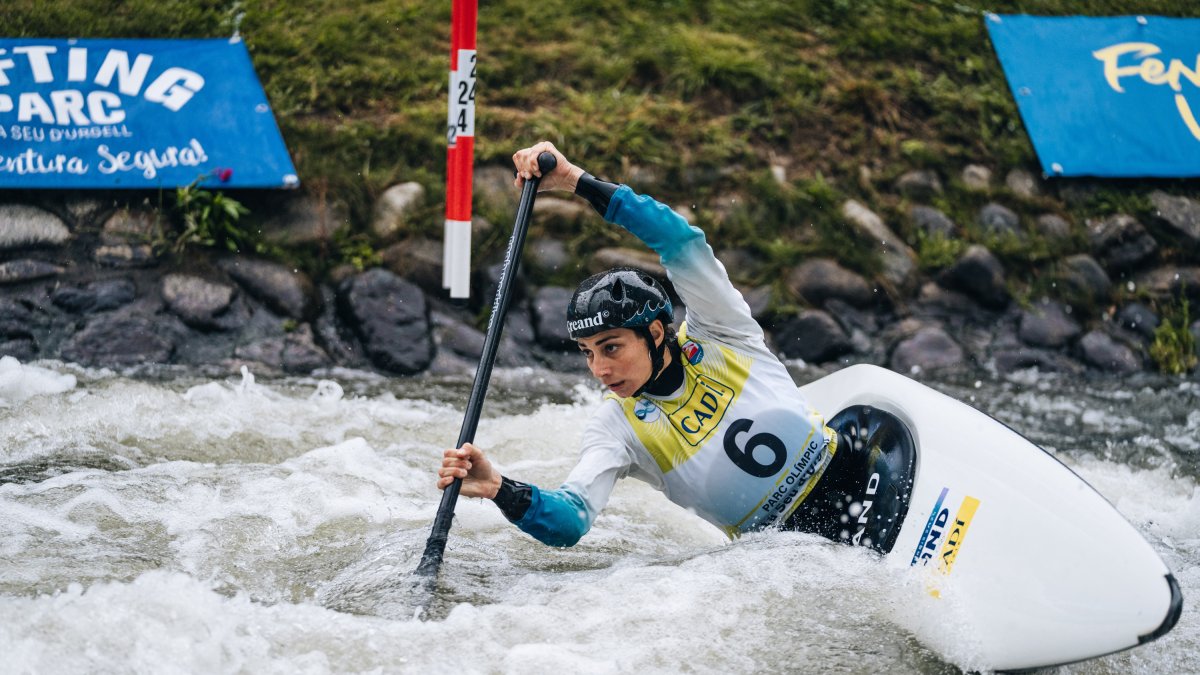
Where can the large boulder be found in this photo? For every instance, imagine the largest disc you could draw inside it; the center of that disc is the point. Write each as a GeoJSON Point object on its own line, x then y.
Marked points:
{"type": "Point", "coordinates": [22, 225]}
{"type": "Point", "coordinates": [1048, 324]}
{"type": "Point", "coordinates": [1101, 351]}
{"type": "Point", "coordinates": [549, 308]}
{"type": "Point", "coordinates": [819, 280]}
{"type": "Point", "coordinates": [95, 296]}
{"type": "Point", "coordinates": [998, 219]}
{"type": "Point", "coordinates": [814, 336]}
{"type": "Point", "coordinates": [285, 290]}
{"type": "Point", "coordinates": [1171, 282]}
{"type": "Point", "coordinates": [24, 269]}
{"type": "Point", "coordinates": [1019, 358]}
{"type": "Point", "coordinates": [391, 318]}
{"type": "Point", "coordinates": [200, 303]}
{"type": "Point", "coordinates": [305, 219]}
{"type": "Point", "coordinates": [395, 209]}
{"type": "Point", "coordinates": [919, 184]}
{"type": "Point", "coordinates": [646, 261]}
{"type": "Point", "coordinates": [547, 256]}
{"type": "Point", "coordinates": [1022, 183]}
{"type": "Point", "coordinates": [977, 178]}
{"type": "Point", "coordinates": [1052, 226]}
{"type": "Point", "coordinates": [1082, 282]}
{"type": "Point", "coordinates": [109, 339]}
{"type": "Point", "coordinates": [1119, 241]}
{"type": "Point", "coordinates": [931, 348]}
{"type": "Point", "coordinates": [1138, 318]}
{"type": "Point", "coordinates": [978, 274]}
{"type": "Point", "coordinates": [1180, 215]}
{"type": "Point", "coordinates": [932, 222]}
{"type": "Point", "coordinates": [16, 320]}
{"type": "Point", "coordinates": [417, 259]}
{"type": "Point", "coordinates": [899, 261]}
{"type": "Point", "coordinates": [295, 352]}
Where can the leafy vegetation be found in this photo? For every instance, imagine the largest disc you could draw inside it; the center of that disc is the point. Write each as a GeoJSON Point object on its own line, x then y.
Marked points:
{"type": "Point", "coordinates": [1174, 346]}
{"type": "Point", "coordinates": [208, 218]}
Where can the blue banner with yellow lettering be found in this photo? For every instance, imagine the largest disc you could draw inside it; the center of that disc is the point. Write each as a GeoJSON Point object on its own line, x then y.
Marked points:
{"type": "Point", "coordinates": [136, 114]}
{"type": "Point", "coordinates": [1112, 96]}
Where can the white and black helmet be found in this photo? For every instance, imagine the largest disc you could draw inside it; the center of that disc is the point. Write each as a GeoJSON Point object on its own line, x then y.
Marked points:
{"type": "Point", "coordinates": [622, 297]}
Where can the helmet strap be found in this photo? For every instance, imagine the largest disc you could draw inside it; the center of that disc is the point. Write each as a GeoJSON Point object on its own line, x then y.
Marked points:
{"type": "Point", "coordinates": [656, 357]}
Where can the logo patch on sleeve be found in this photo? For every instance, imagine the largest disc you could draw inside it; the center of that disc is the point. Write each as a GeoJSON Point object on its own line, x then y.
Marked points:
{"type": "Point", "coordinates": [693, 352]}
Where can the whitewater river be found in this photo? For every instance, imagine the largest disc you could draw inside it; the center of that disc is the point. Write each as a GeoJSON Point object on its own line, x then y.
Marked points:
{"type": "Point", "coordinates": [173, 523]}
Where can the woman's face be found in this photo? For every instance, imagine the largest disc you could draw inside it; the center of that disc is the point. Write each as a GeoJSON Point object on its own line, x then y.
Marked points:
{"type": "Point", "coordinates": [619, 358]}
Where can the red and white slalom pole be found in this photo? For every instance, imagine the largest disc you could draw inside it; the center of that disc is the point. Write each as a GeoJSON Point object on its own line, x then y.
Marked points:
{"type": "Point", "coordinates": [460, 151]}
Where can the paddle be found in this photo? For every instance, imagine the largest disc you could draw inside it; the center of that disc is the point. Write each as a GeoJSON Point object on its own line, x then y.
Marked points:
{"type": "Point", "coordinates": [435, 546]}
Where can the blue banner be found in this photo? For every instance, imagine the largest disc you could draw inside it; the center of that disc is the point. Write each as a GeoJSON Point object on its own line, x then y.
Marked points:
{"type": "Point", "coordinates": [1113, 96]}
{"type": "Point", "coordinates": [136, 114]}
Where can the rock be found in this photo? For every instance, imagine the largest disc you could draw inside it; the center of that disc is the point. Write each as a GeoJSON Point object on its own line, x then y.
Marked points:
{"type": "Point", "coordinates": [978, 274]}
{"type": "Point", "coordinates": [125, 256]}
{"type": "Point", "coordinates": [929, 349]}
{"type": "Point", "coordinates": [547, 256]}
{"type": "Point", "coordinates": [391, 318]}
{"type": "Point", "coordinates": [126, 226]}
{"type": "Point", "coordinates": [21, 349]}
{"type": "Point", "coordinates": [549, 308]}
{"type": "Point", "coordinates": [607, 258]}
{"type": "Point", "coordinates": [1180, 214]}
{"type": "Point", "coordinates": [998, 219]}
{"type": "Point", "coordinates": [1048, 324]}
{"type": "Point", "coordinates": [1020, 358]}
{"type": "Point", "coordinates": [493, 186]}
{"type": "Point", "coordinates": [458, 337]}
{"type": "Point", "coordinates": [295, 352]}
{"type": "Point", "coordinates": [813, 336]}
{"type": "Point", "coordinates": [22, 226]}
{"type": "Point", "coordinates": [24, 269]}
{"type": "Point", "coordinates": [820, 279]}
{"type": "Point", "coordinates": [1022, 183]}
{"type": "Point", "coordinates": [96, 296]}
{"type": "Point", "coordinates": [1171, 282]}
{"type": "Point", "coordinates": [1119, 241]}
{"type": "Point", "coordinates": [1138, 318]}
{"type": "Point", "coordinates": [15, 320]}
{"type": "Point", "coordinates": [899, 261]}
{"type": "Point", "coordinates": [919, 184]}
{"type": "Point", "coordinates": [932, 222]}
{"type": "Point", "coordinates": [305, 219]}
{"type": "Point", "coordinates": [109, 339]}
{"type": "Point", "coordinates": [395, 209]}
{"type": "Point", "coordinates": [936, 301]}
{"type": "Point", "coordinates": [1053, 226]}
{"type": "Point", "coordinates": [1101, 351]}
{"type": "Point", "coordinates": [419, 260]}
{"type": "Point", "coordinates": [977, 178]}
{"type": "Point", "coordinates": [83, 211]}
{"type": "Point", "coordinates": [567, 211]}
{"type": "Point", "coordinates": [1082, 282]}
{"type": "Point", "coordinates": [201, 304]}
{"type": "Point", "coordinates": [286, 291]}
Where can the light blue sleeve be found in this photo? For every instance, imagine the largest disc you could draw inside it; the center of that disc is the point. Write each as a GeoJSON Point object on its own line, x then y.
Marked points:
{"type": "Point", "coordinates": [714, 306]}
{"type": "Point", "coordinates": [556, 517]}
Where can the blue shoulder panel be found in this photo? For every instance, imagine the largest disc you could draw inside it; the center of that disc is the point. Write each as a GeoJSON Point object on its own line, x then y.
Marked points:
{"type": "Point", "coordinates": [652, 221]}
{"type": "Point", "coordinates": [556, 517]}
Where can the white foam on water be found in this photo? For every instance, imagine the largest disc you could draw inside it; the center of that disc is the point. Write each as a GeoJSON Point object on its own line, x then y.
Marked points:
{"type": "Point", "coordinates": [19, 383]}
{"type": "Point", "coordinates": [269, 528]}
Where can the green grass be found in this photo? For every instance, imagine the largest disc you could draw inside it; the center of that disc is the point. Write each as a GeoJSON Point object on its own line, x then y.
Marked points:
{"type": "Point", "coordinates": [707, 94]}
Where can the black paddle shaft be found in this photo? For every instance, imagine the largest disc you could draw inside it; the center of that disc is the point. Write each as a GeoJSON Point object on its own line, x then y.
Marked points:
{"type": "Point", "coordinates": [435, 546]}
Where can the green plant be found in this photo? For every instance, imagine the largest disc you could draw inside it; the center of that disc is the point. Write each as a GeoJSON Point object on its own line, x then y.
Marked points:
{"type": "Point", "coordinates": [936, 251]}
{"type": "Point", "coordinates": [356, 250]}
{"type": "Point", "coordinates": [209, 218]}
{"type": "Point", "coordinates": [1174, 346]}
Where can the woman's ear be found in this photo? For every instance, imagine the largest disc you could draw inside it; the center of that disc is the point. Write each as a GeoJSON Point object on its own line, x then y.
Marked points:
{"type": "Point", "coordinates": [657, 331]}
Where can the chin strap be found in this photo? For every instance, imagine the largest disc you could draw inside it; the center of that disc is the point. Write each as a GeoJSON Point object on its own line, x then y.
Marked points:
{"type": "Point", "coordinates": [656, 359]}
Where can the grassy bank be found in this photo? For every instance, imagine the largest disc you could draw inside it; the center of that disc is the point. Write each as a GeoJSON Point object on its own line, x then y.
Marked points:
{"type": "Point", "coordinates": [699, 97]}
